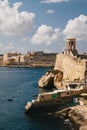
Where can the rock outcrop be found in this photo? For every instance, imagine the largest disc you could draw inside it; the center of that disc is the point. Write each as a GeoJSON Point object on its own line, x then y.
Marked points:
{"type": "Point", "coordinates": [47, 81]}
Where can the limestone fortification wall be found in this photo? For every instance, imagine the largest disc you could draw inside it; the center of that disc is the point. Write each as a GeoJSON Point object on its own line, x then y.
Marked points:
{"type": "Point", "coordinates": [73, 68]}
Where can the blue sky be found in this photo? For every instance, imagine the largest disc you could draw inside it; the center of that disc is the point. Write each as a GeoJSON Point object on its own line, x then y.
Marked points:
{"type": "Point", "coordinates": [44, 25]}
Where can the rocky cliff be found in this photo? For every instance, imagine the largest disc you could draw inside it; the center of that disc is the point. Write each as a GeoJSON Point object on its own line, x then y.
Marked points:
{"type": "Point", "coordinates": [47, 80]}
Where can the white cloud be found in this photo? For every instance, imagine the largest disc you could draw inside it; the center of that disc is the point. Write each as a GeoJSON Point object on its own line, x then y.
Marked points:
{"type": "Point", "coordinates": [45, 35]}
{"type": "Point", "coordinates": [77, 28]}
{"type": "Point", "coordinates": [50, 11]}
{"type": "Point", "coordinates": [53, 1]}
{"type": "Point", "coordinates": [26, 39]}
{"type": "Point", "coordinates": [12, 21]}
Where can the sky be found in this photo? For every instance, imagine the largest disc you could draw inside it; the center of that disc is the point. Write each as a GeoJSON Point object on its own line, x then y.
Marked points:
{"type": "Point", "coordinates": [42, 25]}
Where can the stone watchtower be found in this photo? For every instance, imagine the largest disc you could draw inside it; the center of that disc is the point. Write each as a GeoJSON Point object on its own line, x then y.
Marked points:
{"type": "Point", "coordinates": [71, 47]}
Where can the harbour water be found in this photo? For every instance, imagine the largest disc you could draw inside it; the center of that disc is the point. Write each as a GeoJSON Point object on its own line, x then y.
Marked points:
{"type": "Point", "coordinates": [17, 86]}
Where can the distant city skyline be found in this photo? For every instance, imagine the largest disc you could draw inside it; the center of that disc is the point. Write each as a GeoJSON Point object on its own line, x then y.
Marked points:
{"type": "Point", "coordinates": [42, 25]}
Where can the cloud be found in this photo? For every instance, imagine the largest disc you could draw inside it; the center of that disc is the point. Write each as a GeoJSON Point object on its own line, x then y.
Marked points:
{"type": "Point", "coordinates": [12, 21]}
{"type": "Point", "coordinates": [53, 1]}
{"type": "Point", "coordinates": [77, 28]}
{"type": "Point", "coordinates": [45, 35]}
{"type": "Point", "coordinates": [26, 39]}
{"type": "Point", "coordinates": [50, 11]}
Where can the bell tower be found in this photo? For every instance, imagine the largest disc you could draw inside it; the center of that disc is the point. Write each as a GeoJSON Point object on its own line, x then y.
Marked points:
{"type": "Point", "coordinates": [71, 47]}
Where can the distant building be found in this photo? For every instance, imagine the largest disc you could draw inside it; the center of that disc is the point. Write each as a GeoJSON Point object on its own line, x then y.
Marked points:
{"type": "Point", "coordinates": [31, 59]}
{"type": "Point", "coordinates": [39, 58]}
{"type": "Point", "coordinates": [13, 59]}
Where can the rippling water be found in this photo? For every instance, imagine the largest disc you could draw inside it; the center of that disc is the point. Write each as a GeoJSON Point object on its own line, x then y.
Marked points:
{"type": "Point", "coordinates": [17, 86]}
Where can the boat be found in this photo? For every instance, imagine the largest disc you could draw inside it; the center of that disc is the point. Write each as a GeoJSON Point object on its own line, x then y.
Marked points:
{"type": "Point", "coordinates": [55, 100]}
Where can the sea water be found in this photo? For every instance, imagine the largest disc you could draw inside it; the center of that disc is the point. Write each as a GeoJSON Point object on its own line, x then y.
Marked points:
{"type": "Point", "coordinates": [17, 87]}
